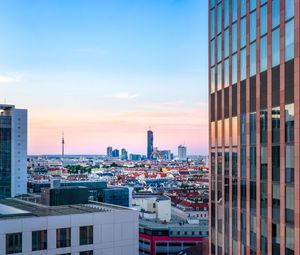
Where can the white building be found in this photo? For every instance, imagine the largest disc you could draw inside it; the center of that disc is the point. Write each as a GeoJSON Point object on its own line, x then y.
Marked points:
{"type": "Point", "coordinates": [182, 152]}
{"type": "Point", "coordinates": [153, 206]}
{"type": "Point", "coordinates": [84, 229]}
{"type": "Point", "coordinates": [13, 146]}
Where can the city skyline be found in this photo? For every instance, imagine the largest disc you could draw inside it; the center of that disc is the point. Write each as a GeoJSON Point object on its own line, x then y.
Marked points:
{"type": "Point", "coordinates": [104, 71]}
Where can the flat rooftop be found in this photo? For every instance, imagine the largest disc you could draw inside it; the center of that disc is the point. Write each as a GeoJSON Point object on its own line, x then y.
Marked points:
{"type": "Point", "coordinates": [17, 208]}
{"type": "Point", "coordinates": [173, 224]}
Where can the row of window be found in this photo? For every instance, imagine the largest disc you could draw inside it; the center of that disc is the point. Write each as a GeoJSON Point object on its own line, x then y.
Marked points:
{"type": "Point", "coordinates": [288, 44]}
{"type": "Point", "coordinates": [39, 239]}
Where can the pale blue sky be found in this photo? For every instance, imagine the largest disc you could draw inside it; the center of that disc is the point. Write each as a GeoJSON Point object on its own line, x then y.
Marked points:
{"type": "Point", "coordinates": [91, 63]}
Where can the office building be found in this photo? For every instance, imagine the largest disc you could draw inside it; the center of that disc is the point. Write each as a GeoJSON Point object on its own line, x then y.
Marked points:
{"type": "Point", "coordinates": [149, 144]}
{"type": "Point", "coordinates": [109, 152]}
{"type": "Point", "coordinates": [254, 74]}
{"type": "Point", "coordinates": [124, 154]}
{"type": "Point", "coordinates": [13, 151]}
{"type": "Point", "coordinates": [181, 152]}
{"type": "Point", "coordinates": [81, 229]}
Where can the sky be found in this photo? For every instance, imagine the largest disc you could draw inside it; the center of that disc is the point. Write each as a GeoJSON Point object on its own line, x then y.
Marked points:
{"type": "Point", "coordinates": [105, 71]}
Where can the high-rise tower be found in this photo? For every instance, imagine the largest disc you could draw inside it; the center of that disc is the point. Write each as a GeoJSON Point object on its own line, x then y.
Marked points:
{"type": "Point", "coordinates": [13, 151]}
{"type": "Point", "coordinates": [149, 144]}
{"type": "Point", "coordinates": [254, 139]}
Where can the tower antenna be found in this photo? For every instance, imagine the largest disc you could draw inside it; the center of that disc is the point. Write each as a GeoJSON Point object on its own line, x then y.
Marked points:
{"type": "Point", "coordinates": [63, 147]}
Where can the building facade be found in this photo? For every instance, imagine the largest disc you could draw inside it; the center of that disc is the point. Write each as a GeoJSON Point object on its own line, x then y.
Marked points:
{"type": "Point", "coordinates": [254, 73]}
{"type": "Point", "coordinates": [149, 144]}
{"type": "Point", "coordinates": [82, 229]}
{"type": "Point", "coordinates": [13, 151]}
{"type": "Point", "coordinates": [109, 152]}
{"type": "Point", "coordinates": [182, 152]}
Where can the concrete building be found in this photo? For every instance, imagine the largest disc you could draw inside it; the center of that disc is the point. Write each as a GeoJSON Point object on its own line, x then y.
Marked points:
{"type": "Point", "coordinates": [254, 138]}
{"type": "Point", "coordinates": [83, 229]}
{"type": "Point", "coordinates": [13, 151]}
{"type": "Point", "coordinates": [182, 152]}
{"type": "Point", "coordinates": [153, 206]}
{"type": "Point", "coordinates": [149, 144]}
{"type": "Point", "coordinates": [161, 238]}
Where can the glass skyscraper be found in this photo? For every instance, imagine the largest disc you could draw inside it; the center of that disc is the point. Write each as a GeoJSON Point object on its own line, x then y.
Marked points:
{"type": "Point", "coordinates": [149, 144]}
{"type": "Point", "coordinates": [254, 106]}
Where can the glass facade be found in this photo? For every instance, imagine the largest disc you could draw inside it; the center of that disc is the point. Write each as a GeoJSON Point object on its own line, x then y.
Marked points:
{"type": "Point", "coordinates": [253, 148]}
{"type": "Point", "coordinates": [5, 156]}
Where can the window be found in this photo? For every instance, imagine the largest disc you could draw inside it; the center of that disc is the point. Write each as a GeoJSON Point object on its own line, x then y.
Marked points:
{"type": "Point", "coordinates": [252, 26]}
{"type": "Point", "coordinates": [263, 53]}
{"type": "Point", "coordinates": [263, 20]}
{"type": "Point", "coordinates": [63, 237]}
{"type": "Point", "coordinates": [219, 76]}
{"type": "Point", "coordinates": [234, 68]}
{"type": "Point", "coordinates": [39, 240]}
{"type": "Point", "coordinates": [212, 80]}
{"type": "Point", "coordinates": [243, 64]}
{"type": "Point", "coordinates": [86, 253]}
{"type": "Point", "coordinates": [252, 5]}
{"type": "Point", "coordinates": [212, 53]}
{"type": "Point", "coordinates": [243, 31]}
{"type": "Point", "coordinates": [289, 9]}
{"type": "Point", "coordinates": [234, 38]}
{"type": "Point", "coordinates": [253, 59]}
{"type": "Point", "coordinates": [226, 13]}
{"type": "Point", "coordinates": [212, 23]}
{"type": "Point", "coordinates": [219, 17]}
{"type": "Point", "coordinates": [13, 243]}
{"type": "Point", "coordinates": [86, 235]}
{"type": "Point", "coordinates": [234, 10]}
{"type": "Point", "coordinates": [289, 40]}
{"type": "Point", "coordinates": [275, 13]}
{"type": "Point", "coordinates": [243, 7]}
{"type": "Point", "coordinates": [226, 73]}
{"type": "Point", "coordinates": [226, 43]}
{"type": "Point", "coordinates": [219, 47]}
{"type": "Point", "coordinates": [275, 47]}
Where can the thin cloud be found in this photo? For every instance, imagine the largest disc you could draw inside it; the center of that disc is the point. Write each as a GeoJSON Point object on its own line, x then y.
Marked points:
{"type": "Point", "coordinates": [124, 95]}
{"type": "Point", "coordinates": [10, 78]}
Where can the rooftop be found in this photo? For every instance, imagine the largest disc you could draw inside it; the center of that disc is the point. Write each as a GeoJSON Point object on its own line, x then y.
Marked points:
{"type": "Point", "coordinates": [17, 208]}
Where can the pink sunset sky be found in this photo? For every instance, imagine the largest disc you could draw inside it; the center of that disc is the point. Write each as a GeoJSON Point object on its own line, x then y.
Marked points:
{"type": "Point", "coordinates": [104, 72]}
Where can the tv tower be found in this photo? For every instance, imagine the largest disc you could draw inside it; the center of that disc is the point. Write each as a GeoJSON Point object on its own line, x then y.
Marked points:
{"type": "Point", "coordinates": [63, 146]}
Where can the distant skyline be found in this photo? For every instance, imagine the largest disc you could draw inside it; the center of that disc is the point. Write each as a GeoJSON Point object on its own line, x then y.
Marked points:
{"type": "Point", "coordinates": [105, 71]}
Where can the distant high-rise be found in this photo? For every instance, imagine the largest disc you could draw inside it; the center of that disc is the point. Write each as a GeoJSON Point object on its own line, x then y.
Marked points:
{"type": "Point", "coordinates": [124, 154]}
{"type": "Point", "coordinates": [254, 136]}
{"type": "Point", "coordinates": [182, 152]}
{"type": "Point", "coordinates": [115, 153]}
{"type": "Point", "coordinates": [13, 151]}
{"type": "Point", "coordinates": [109, 152]}
{"type": "Point", "coordinates": [149, 144]}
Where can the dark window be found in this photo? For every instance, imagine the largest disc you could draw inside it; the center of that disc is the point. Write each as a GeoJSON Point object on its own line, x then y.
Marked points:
{"type": "Point", "coordinates": [263, 90]}
{"type": "Point", "coordinates": [212, 107]}
{"type": "Point", "coordinates": [226, 102]}
{"type": "Point", "coordinates": [63, 237]}
{"type": "Point", "coordinates": [234, 100]}
{"type": "Point", "coordinates": [253, 94]}
{"type": "Point", "coordinates": [275, 86]}
{"type": "Point", "coordinates": [289, 82]}
{"type": "Point", "coordinates": [86, 235]}
{"type": "Point", "coordinates": [13, 243]}
{"type": "Point", "coordinates": [39, 240]}
{"type": "Point", "coordinates": [219, 104]}
{"type": "Point", "coordinates": [86, 253]}
{"type": "Point", "coordinates": [243, 97]}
